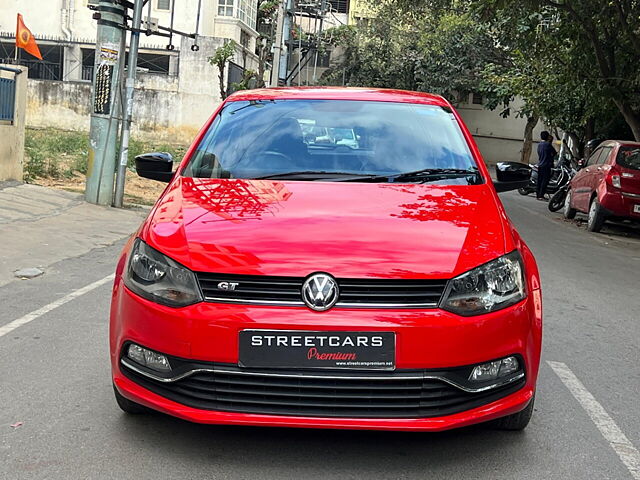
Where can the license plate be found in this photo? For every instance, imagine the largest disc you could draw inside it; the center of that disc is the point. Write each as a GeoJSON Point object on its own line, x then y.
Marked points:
{"type": "Point", "coordinates": [636, 209]}
{"type": "Point", "coordinates": [305, 349]}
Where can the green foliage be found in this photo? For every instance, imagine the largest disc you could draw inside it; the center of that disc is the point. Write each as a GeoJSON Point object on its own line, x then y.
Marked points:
{"type": "Point", "coordinates": [220, 58]}
{"type": "Point", "coordinates": [573, 63]}
{"type": "Point", "coordinates": [441, 50]}
{"type": "Point", "coordinates": [223, 54]}
{"type": "Point", "coordinates": [57, 154]}
{"type": "Point", "coordinates": [138, 147]}
{"type": "Point", "coordinates": [54, 153]}
{"type": "Point", "coordinates": [584, 56]}
{"type": "Point", "coordinates": [249, 81]}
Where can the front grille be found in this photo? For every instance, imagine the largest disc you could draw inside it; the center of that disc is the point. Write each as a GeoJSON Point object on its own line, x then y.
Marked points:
{"type": "Point", "coordinates": [269, 290]}
{"type": "Point", "coordinates": [399, 394]}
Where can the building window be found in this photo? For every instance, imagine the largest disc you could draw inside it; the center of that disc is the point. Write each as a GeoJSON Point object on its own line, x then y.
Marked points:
{"type": "Point", "coordinates": [245, 39]}
{"type": "Point", "coordinates": [154, 63]}
{"type": "Point", "coordinates": [225, 8]}
{"type": "Point", "coordinates": [49, 68]}
{"type": "Point", "coordinates": [164, 4]}
{"type": "Point", "coordinates": [477, 99]}
{"type": "Point", "coordinates": [247, 12]}
{"type": "Point", "coordinates": [340, 6]}
{"type": "Point", "coordinates": [324, 59]}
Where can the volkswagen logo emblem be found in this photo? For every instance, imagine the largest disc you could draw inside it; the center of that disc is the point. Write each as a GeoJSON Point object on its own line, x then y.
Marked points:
{"type": "Point", "coordinates": [320, 292]}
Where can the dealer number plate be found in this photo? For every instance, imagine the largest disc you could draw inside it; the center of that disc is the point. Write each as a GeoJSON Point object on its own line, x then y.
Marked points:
{"type": "Point", "coordinates": [305, 349]}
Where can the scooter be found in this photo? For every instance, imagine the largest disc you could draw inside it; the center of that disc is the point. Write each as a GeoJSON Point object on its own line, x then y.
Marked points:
{"type": "Point", "coordinates": [560, 176]}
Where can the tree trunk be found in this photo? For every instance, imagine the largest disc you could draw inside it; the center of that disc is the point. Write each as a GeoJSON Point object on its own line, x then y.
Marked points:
{"type": "Point", "coordinates": [630, 116]}
{"type": "Point", "coordinates": [223, 91]}
{"type": "Point", "coordinates": [532, 121]}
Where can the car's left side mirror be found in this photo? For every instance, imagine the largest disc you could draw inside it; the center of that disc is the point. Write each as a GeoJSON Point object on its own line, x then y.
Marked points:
{"type": "Point", "coordinates": [156, 166]}
{"type": "Point", "coordinates": [511, 176]}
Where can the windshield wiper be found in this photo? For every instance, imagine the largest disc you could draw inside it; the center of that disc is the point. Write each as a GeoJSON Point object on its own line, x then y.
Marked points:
{"type": "Point", "coordinates": [425, 174]}
{"type": "Point", "coordinates": [307, 175]}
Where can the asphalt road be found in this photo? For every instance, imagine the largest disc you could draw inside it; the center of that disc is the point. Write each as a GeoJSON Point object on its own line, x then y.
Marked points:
{"type": "Point", "coordinates": [54, 377]}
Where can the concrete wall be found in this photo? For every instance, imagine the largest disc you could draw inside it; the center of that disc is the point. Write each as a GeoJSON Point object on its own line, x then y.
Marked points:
{"type": "Point", "coordinates": [166, 106]}
{"type": "Point", "coordinates": [499, 139]}
{"type": "Point", "coordinates": [12, 134]}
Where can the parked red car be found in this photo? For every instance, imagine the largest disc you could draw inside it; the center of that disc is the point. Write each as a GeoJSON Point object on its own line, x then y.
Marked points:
{"type": "Point", "coordinates": [287, 282]}
{"type": "Point", "coordinates": [608, 186]}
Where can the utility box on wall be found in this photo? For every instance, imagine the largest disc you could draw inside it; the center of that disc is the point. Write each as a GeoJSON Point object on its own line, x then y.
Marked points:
{"type": "Point", "coordinates": [13, 101]}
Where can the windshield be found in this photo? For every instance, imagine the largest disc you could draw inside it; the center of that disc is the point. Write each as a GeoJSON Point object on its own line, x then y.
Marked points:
{"type": "Point", "coordinates": [629, 157]}
{"type": "Point", "coordinates": [332, 140]}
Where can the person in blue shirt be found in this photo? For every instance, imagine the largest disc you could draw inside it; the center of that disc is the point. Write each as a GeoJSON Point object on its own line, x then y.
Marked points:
{"type": "Point", "coordinates": [546, 154]}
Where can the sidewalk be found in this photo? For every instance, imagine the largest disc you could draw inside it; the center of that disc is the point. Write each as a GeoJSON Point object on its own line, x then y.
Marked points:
{"type": "Point", "coordinates": [40, 226]}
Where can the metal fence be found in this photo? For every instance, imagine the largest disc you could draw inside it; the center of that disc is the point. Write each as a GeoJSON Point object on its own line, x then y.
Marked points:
{"type": "Point", "coordinates": [7, 99]}
{"type": "Point", "coordinates": [235, 75]}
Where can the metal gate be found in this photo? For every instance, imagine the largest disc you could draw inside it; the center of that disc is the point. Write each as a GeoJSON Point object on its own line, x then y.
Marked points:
{"type": "Point", "coordinates": [7, 97]}
{"type": "Point", "coordinates": [235, 74]}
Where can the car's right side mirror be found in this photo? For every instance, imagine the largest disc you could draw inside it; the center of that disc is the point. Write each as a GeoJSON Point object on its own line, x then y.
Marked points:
{"type": "Point", "coordinates": [156, 166]}
{"type": "Point", "coordinates": [511, 176]}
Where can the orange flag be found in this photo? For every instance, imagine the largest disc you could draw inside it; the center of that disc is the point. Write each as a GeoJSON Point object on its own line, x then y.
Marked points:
{"type": "Point", "coordinates": [25, 39]}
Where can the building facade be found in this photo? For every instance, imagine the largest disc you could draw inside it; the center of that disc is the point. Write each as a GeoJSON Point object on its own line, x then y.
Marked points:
{"type": "Point", "coordinates": [66, 33]}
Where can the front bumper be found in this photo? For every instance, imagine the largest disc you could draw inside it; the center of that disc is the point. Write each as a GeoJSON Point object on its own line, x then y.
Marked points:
{"type": "Point", "coordinates": [425, 339]}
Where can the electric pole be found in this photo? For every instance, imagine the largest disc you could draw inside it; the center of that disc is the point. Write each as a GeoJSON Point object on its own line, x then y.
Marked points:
{"type": "Point", "coordinates": [128, 104]}
{"type": "Point", "coordinates": [277, 46]}
{"type": "Point", "coordinates": [110, 47]}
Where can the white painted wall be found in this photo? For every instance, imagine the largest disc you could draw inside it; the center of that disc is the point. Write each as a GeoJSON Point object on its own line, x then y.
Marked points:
{"type": "Point", "coordinates": [45, 17]}
{"type": "Point", "coordinates": [499, 139]}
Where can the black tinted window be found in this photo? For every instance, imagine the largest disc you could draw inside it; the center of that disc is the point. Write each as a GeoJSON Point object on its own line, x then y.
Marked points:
{"type": "Point", "coordinates": [260, 138]}
{"type": "Point", "coordinates": [629, 157]}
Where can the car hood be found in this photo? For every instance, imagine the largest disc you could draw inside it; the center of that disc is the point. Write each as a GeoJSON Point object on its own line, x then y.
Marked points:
{"type": "Point", "coordinates": [351, 230]}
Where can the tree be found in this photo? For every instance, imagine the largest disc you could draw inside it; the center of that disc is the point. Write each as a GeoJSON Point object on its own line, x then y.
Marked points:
{"type": "Point", "coordinates": [604, 40]}
{"type": "Point", "coordinates": [441, 50]}
{"type": "Point", "coordinates": [503, 49]}
{"type": "Point", "coordinates": [219, 59]}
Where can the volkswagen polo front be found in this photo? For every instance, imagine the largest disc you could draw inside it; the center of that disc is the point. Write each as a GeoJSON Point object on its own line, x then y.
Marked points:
{"type": "Point", "coordinates": [288, 280]}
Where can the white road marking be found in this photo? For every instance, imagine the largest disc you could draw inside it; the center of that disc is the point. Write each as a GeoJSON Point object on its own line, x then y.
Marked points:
{"type": "Point", "coordinates": [9, 327]}
{"type": "Point", "coordinates": [608, 428]}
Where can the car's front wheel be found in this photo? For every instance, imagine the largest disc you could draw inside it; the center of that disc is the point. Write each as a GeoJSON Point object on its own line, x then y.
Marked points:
{"type": "Point", "coordinates": [517, 421]}
{"type": "Point", "coordinates": [127, 405]}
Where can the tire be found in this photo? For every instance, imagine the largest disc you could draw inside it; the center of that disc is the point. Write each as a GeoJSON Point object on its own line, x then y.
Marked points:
{"type": "Point", "coordinates": [524, 191]}
{"type": "Point", "coordinates": [557, 200]}
{"type": "Point", "coordinates": [596, 216]}
{"type": "Point", "coordinates": [127, 406]}
{"type": "Point", "coordinates": [517, 421]}
{"type": "Point", "coordinates": [568, 211]}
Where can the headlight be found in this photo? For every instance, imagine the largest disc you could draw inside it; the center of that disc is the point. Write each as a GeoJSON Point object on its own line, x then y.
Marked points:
{"type": "Point", "coordinates": [489, 287]}
{"type": "Point", "coordinates": [160, 279]}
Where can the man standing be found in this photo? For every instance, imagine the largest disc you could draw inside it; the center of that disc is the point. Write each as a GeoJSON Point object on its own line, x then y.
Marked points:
{"type": "Point", "coordinates": [546, 154]}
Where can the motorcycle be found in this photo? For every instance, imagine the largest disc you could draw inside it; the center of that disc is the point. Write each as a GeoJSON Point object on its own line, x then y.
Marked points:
{"type": "Point", "coordinates": [556, 202]}
{"type": "Point", "coordinates": [560, 176]}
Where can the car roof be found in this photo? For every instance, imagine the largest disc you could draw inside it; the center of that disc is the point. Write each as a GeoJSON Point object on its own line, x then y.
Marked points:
{"type": "Point", "coordinates": [339, 93]}
{"type": "Point", "coordinates": [622, 143]}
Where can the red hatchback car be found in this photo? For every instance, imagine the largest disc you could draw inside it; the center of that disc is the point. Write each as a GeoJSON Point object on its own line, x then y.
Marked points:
{"type": "Point", "coordinates": [608, 186]}
{"type": "Point", "coordinates": [286, 280]}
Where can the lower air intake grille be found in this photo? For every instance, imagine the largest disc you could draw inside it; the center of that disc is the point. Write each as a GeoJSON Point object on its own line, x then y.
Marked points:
{"type": "Point", "coordinates": [399, 394]}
